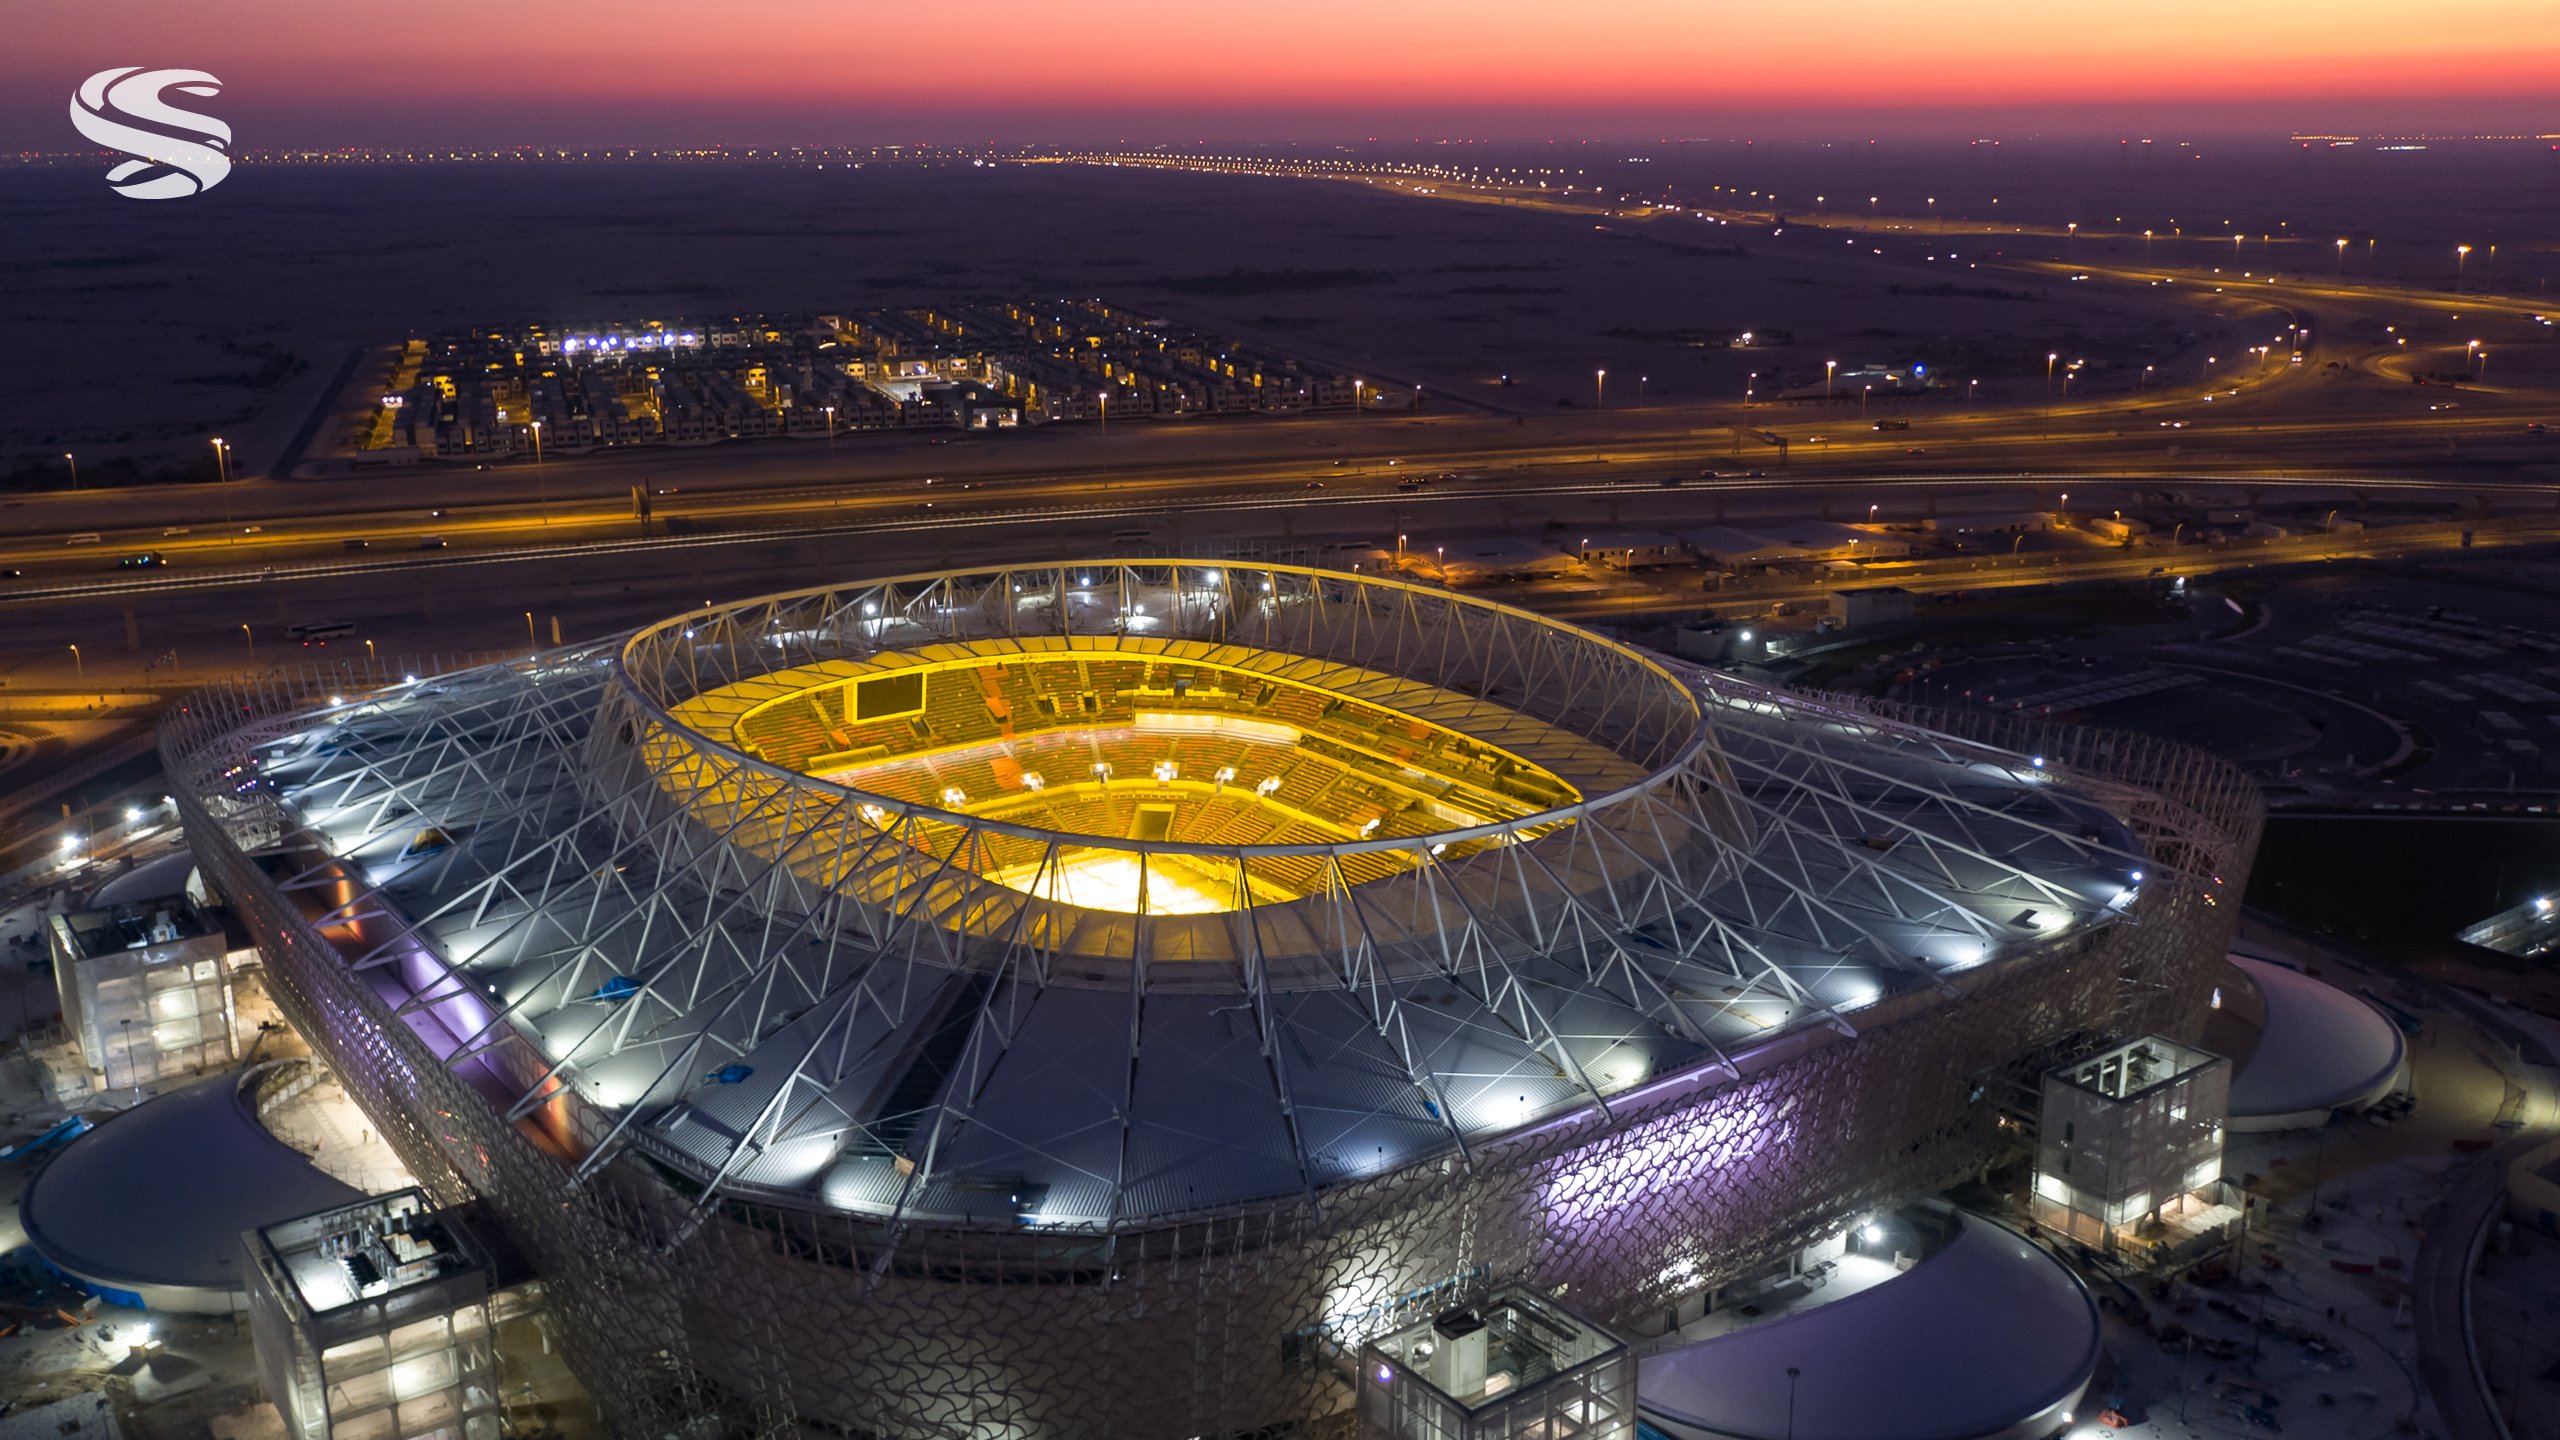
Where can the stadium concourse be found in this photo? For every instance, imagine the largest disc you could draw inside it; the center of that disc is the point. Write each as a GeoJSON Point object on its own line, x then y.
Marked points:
{"type": "Point", "coordinates": [1101, 997]}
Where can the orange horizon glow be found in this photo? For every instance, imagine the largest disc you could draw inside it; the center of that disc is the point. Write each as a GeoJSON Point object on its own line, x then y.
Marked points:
{"type": "Point", "coordinates": [632, 59]}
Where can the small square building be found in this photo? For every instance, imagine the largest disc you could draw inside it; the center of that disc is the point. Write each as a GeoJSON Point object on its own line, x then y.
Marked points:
{"type": "Point", "coordinates": [373, 1321]}
{"type": "Point", "coordinates": [1870, 606]}
{"type": "Point", "coordinates": [1514, 1363]}
{"type": "Point", "coordinates": [2129, 1147]}
{"type": "Point", "coordinates": [146, 989]}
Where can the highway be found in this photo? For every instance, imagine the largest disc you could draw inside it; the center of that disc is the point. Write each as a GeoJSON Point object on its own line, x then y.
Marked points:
{"type": "Point", "coordinates": [589, 498]}
{"type": "Point", "coordinates": [504, 535]}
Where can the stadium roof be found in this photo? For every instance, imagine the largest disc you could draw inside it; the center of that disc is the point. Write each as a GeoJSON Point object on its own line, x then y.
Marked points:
{"type": "Point", "coordinates": [1990, 1336]}
{"type": "Point", "coordinates": [158, 1195]}
{"type": "Point", "coordinates": [782, 985]}
{"type": "Point", "coordinates": [2317, 1049]}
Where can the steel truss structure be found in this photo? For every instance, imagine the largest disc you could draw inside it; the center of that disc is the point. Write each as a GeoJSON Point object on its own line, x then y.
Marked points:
{"type": "Point", "coordinates": [810, 1123]}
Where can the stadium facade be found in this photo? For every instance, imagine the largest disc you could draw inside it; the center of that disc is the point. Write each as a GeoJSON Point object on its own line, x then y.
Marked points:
{"type": "Point", "coordinates": [1092, 999]}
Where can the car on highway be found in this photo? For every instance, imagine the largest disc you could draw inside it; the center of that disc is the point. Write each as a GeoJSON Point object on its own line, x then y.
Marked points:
{"type": "Point", "coordinates": [430, 542]}
{"type": "Point", "coordinates": [176, 530]}
{"type": "Point", "coordinates": [146, 560]}
{"type": "Point", "coordinates": [253, 529]}
{"type": "Point", "coordinates": [11, 572]}
{"type": "Point", "coordinates": [1313, 485]}
{"type": "Point", "coordinates": [85, 537]}
{"type": "Point", "coordinates": [1892, 425]}
{"type": "Point", "coordinates": [356, 544]}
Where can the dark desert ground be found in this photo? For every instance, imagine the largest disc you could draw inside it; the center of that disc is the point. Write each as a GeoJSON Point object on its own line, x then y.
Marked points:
{"type": "Point", "coordinates": [141, 329]}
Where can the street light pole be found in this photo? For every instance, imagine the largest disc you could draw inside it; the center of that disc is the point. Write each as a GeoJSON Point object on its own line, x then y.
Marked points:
{"type": "Point", "coordinates": [1829, 368]}
{"type": "Point", "coordinates": [132, 1072]}
{"type": "Point", "coordinates": [1599, 389]}
{"type": "Point", "coordinates": [1793, 1374]}
{"type": "Point", "coordinates": [79, 668]}
{"type": "Point", "coordinates": [541, 490]}
{"type": "Point", "coordinates": [75, 468]}
{"type": "Point", "coordinates": [247, 635]}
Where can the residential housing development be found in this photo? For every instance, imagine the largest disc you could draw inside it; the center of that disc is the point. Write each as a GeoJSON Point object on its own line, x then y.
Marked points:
{"type": "Point", "coordinates": [529, 388]}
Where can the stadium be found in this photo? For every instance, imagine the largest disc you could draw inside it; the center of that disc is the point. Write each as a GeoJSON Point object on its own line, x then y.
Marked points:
{"type": "Point", "coordinates": [1095, 998]}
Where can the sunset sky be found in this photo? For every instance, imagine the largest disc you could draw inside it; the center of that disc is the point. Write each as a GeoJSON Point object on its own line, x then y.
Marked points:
{"type": "Point", "coordinates": [318, 72]}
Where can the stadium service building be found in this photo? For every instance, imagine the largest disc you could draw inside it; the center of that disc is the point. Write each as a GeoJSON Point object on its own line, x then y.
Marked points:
{"type": "Point", "coordinates": [1095, 999]}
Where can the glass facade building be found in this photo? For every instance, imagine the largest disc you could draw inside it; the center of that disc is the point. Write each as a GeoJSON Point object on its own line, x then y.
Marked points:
{"type": "Point", "coordinates": [2130, 1143]}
